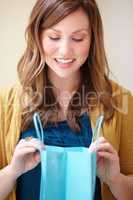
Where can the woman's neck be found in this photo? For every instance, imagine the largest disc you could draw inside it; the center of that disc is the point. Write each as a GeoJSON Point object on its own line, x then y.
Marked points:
{"type": "Point", "coordinates": [64, 89]}
{"type": "Point", "coordinates": [65, 84]}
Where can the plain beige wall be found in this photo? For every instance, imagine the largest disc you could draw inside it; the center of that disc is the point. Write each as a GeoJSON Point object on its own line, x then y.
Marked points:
{"type": "Point", "coordinates": [118, 28]}
{"type": "Point", "coordinates": [13, 20]}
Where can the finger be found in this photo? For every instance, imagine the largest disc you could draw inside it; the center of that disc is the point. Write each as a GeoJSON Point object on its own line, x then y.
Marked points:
{"type": "Point", "coordinates": [21, 141]}
{"type": "Point", "coordinates": [35, 141]}
{"type": "Point", "coordinates": [100, 160]}
{"type": "Point", "coordinates": [101, 140]}
{"type": "Point", "coordinates": [105, 155]}
{"type": "Point", "coordinates": [37, 156]}
{"type": "Point", "coordinates": [31, 143]}
{"type": "Point", "coordinates": [27, 140]}
{"type": "Point", "coordinates": [106, 147]}
{"type": "Point", "coordinates": [101, 144]}
{"type": "Point", "coordinates": [25, 151]}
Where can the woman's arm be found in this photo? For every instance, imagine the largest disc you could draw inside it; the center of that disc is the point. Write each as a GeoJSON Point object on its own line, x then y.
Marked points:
{"type": "Point", "coordinates": [26, 156]}
{"type": "Point", "coordinates": [8, 181]}
{"type": "Point", "coordinates": [122, 187]}
{"type": "Point", "coordinates": [108, 170]}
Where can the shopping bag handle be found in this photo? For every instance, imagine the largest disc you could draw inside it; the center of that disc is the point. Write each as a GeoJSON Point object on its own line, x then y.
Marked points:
{"type": "Point", "coordinates": [38, 126]}
{"type": "Point", "coordinates": [96, 131]}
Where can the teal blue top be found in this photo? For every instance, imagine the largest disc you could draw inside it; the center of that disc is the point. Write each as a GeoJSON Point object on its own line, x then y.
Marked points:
{"type": "Point", "coordinates": [28, 185]}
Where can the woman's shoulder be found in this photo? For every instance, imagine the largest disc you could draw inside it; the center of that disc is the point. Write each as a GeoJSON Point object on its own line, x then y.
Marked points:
{"type": "Point", "coordinates": [122, 95]}
{"type": "Point", "coordinates": [9, 95]}
{"type": "Point", "coordinates": [10, 91]}
{"type": "Point", "coordinates": [118, 88]}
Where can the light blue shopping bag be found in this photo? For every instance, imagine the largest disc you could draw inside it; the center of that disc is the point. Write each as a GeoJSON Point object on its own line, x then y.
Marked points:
{"type": "Point", "coordinates": [67, 173]}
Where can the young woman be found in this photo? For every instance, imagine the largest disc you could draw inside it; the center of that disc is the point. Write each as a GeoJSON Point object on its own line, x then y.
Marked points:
{"type": "Point", "coordinates": [64, 76]}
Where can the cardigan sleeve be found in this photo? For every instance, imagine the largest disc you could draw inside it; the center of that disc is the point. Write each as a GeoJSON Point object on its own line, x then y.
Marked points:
{"type": "Point", "coordinates": [4, 123]}
{"type": "Point", "coordinates": [2, 144]}
{"type": "Point", "coordinates": [9, 128]}
{"type": "Point", "coordinates": [9, 123]}
{"type": "Point", "coordinates": [119, 133]}
{"type": "Point", "coordinates": [126, 135]}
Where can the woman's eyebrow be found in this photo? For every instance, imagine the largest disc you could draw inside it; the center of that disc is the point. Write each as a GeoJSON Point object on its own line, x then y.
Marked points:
{"type": "Point", "coordinates": [77, 31]}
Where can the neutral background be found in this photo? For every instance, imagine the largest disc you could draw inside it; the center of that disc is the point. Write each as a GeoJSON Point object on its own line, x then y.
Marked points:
{"type": "Point", "coordinates": [118, 31]}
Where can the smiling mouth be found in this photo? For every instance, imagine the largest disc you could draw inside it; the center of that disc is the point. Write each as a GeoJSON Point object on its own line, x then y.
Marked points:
{"type": "Point", "coordinates": [64, 61]}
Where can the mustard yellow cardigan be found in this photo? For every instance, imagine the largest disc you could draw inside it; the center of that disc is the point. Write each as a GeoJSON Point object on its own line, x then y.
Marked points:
{"type": "Point", "coordinates": [119, 131]}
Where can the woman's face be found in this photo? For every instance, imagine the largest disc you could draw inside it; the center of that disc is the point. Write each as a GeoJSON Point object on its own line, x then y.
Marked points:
{"type": "Point", "coordinates": [66, 45]}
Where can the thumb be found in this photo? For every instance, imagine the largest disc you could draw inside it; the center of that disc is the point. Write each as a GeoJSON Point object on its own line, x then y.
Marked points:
{"type": "Point", "coordinates": [37, 156]}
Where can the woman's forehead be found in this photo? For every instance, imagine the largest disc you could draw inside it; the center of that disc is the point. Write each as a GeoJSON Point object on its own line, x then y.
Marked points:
{"type": "Point", "coordinates": [75, 22]}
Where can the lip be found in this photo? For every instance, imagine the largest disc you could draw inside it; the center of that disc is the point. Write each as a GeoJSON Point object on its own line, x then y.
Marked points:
{"type": "Point", "coordinates": [64, 65]}
{"type": "Point", "coordinates": [65, 58]}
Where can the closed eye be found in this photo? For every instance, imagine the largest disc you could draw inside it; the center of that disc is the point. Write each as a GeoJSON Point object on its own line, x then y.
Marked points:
{"type": "Point", "coordinates": [74, 39]}
{"type": "Point", "coordinates": [54, 38]}
{"type": "Point", "coordinates": [77, 40]}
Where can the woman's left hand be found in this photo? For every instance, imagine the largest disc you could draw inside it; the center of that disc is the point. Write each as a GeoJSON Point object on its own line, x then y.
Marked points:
{"type": "Point", "coordinates": [108, 167]}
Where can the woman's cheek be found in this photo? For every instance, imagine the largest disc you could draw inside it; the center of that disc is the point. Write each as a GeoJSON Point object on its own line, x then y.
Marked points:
{"type": "Point", "coordinates": [49, 48]}
{"type": "Point", "coordinates": [82, 53]}
{"type": "Point", "coordinates": [82, 57]}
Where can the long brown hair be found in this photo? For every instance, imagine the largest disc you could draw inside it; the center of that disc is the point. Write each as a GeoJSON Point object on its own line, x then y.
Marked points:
{"type": "Point", "coordinates": [32, 69]}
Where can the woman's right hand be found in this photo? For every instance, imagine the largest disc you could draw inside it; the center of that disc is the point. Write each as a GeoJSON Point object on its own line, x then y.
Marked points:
{"type": "Point", "coordinates": [26, 156]}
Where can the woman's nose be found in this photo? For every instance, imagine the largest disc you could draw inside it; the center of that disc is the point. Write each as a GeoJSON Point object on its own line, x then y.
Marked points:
{"type": "Point", "coordinates": [65, 48]}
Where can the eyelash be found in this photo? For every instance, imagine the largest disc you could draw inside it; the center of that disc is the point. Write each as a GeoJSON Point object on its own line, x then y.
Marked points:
{"type": "Point", "coordinates": [76, 40]}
